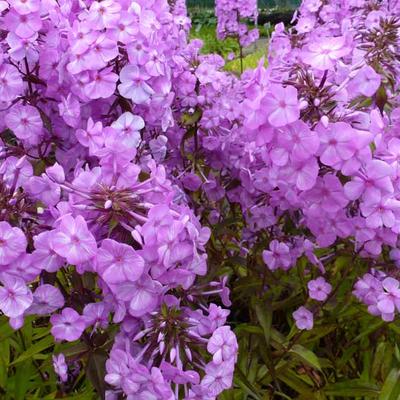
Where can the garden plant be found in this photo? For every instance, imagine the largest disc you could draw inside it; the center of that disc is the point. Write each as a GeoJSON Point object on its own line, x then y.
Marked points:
{"type": "Point", "coordinates": [170, 230]}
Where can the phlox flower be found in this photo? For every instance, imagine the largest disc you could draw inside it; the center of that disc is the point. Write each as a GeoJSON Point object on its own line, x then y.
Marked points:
{"type": "Point", "coordinates": [101, 84]}
{"type": "Point", "coordinates": [319, 289]}
{"type": "Point", "coordinates": [15, 296]}
{"type": "Point", "coordinates": [278, 256]}
{"type": "Point", "coordinates": [133, 84]}
{"type": "Point", "coordinates": [118, 262]}
{"type": "Point", "coordinates": [24, 121]}
{"type": "Point", "coordinates": [68, 325]}
{"type": "Point", "coordinates": [304, 318]}
{"type": "Point", "coordinates": [11, 84]}
{"type": "Point", "coordinates": [322, 53]}
{"type": "Point", "coordinates": [73, 240]}
{"type": "Point", "coordinates": [60, 367]}
{"type": "Point", "coordinates": [281, 105]}
{"type": "Point", "coordinates": [12, 243]}
{"type": "Point", "coordinates": [372, 182]}
{"type": "Point", "coordinates": [46, 299]}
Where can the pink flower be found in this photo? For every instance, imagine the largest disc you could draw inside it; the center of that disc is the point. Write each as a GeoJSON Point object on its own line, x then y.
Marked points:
{"type": "Point", "coordinates": [101, 84]}
{"type": "Point", "coordinates": [142, 295]}
{"type": "Point", "coordinates": [218, 378]}
{"type": "Point", "coordinates": [73, 240]}
{"type": "Point", "coordinates": [372, 182]}
{"type": "Point", "coordinates": [129, 126]}
{"type": "Point", "coordinates": [15, 297]}
{"type": "Point", "coordinates": [12, 243]}
{"type": "Point", "coordinates": [44, 253]}
{"type": "Point", "coordinates": [322, 53]}
{"type": "Point", "coordinates": [101, 52]}
{"type": "Point", "coordinates": [303, 173]}
{"type": "Point", "coordinates": [46, 300]}
{"type": "Point", "coordinates": [23, 26]}
{"type": "Point", "coordinates": [24, 121]}
{"type": "Point", "coordinates": [104, 14]}
{"type": "Point", "coordinates": [366, 82]}
{"type": "Point", "coordinates": [304, 319]}
{"type": "Point", "coordinates": [11, 84]}
{"type": "Point", "coordinates": [92, 137]}
{"type": "Point", "coordinates": [281, 105]}
{"type": "Point", "coordinates": [390, 299]}
{"type": "Point", "coordinates": [24, 7]}
{"type": "Point", "coordinates": [278, 256]}
{"type": "Point", "coordinates": [319, 289]}
{"type": "Point", "coordinates": [337, 144]}
{"type": "Point", "coordinates": [133, 84]}
{"type": "Point", "coordinates": [60, 367]}
{"type": "Point", "coordinates": [70, 110]}
{"type": "Point", "coordinates": [68, 325]}
{"type": "Point", "coordinates": [380, 211]}
{"type": "Point", "coordinates": [222, 345]}
{"type": "Point", "coordinates": [118, 262]}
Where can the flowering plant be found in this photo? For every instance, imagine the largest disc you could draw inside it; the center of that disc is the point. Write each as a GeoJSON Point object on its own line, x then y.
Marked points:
{"type": "Point", "coordinates": [147, 196]}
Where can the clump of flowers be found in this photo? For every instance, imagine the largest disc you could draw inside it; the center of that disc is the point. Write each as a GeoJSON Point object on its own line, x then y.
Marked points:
{"type": "Point", "coordinates": [136, 174]}
{"type": "Point", "coordinates": [232, 16]}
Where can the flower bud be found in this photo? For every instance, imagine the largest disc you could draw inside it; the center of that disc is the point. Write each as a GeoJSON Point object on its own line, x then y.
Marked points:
{"type": "Point", "coordinates": [325, 121]}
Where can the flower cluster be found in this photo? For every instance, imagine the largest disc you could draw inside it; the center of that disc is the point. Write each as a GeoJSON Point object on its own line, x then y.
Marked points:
{"type": "Point", "coordinates": [230, 15]}
{"type": "Point", "coordinates": [126, 154]}
{"type": "Point", "coordinates": [88, 92]}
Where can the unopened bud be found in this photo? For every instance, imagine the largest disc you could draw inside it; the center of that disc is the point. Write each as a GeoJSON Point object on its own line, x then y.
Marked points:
{"type": "Point", "coordinates": [303, 104]}
{"type": "Point", "coordinates": [137, 236]}
{"type": "Point", "coordinates": [172, 354]}
{"type": "Point", "coordinates": [317, 102]}
{"type": "Point", "coordinates": [108, 204]}
{"type": "Point", "coordinates": [188, 353]}
{"type": "Point", "coordinates": [325, 121]}
{"type": "Point", "coordinates": [20, 162]}
{"type": "Point", "coordinates": [162, 346]}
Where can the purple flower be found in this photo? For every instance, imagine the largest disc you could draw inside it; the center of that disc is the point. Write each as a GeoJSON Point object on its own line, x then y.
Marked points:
{"type": "Point", "coordinates": [281, 105]}
{"type": "Point", "coordinates": [68, 325]}
{"type": "Point", "coordinates": [24, 121]}
{"type": "Point", "coordinates": [133, 84]}
{"type": "Point", "coordinates": [278, 256]}
{"type": "Point", "coordinates": [73, 240]}
{"type": "Point", "coordinates": [15, 297]}
{"type": "Point", "coordinates": [323, 53]}
{"type": "Point", "coordinates": [389, 300]}
{"type": "Point", "coordinates": [12, 243]}
{"type": "Point", "coordinates": [222, 345]}
{"type": "Point", "coordinates": [44, 253]}
{"type": "Point", "coordinates": [46, 300]}
{"type": "Point", "coordinates": [60, 367]}
{"type": "Point", "coordinates": [319, 289]}
{"type": "Point", "coordinates": [118, 262]}
{"type": "Point", "coordinates": [304, 319]}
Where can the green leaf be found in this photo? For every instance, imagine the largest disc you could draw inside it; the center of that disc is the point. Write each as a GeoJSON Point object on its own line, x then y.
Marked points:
{"type": "Point", "coordinates": [38, 347]}
{"type": "Point", "coordinates": [291, 379]}
{"type": "Point", "coordinates": [96, 371]}
{"type": "Point", "coordinates": [264, 316]}
{"type": "Point", "coordinates": [307, 356]}
{"type": "Point", "coordinates": [391, 387]}
{"type": "Point", "coordinates": [352, 388]}
{"type": "Point", "coordinates": [241, 380]}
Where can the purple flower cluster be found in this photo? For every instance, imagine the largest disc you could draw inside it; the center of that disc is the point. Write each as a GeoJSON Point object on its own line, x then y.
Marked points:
{"type": "Point", "coordinates": [230, 16]}
{"type": "Point", "coordinates": [122, 148]}
{"type": "Point", "coordinates": [88, 92]}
